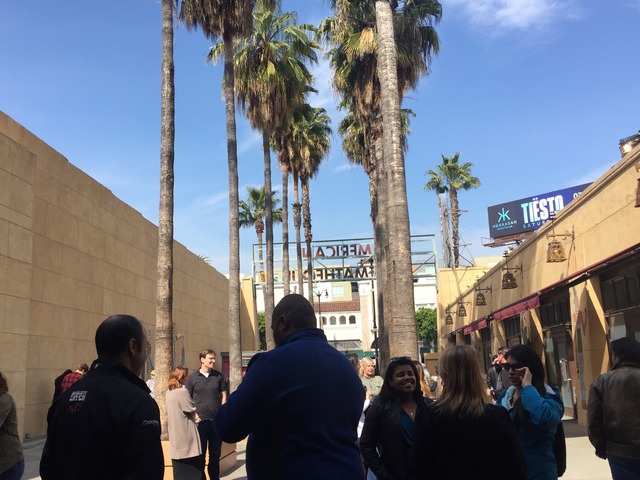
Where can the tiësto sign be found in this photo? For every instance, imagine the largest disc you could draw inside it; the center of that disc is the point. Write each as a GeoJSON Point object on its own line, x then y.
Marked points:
{"type": "Point", "coordinates": [528, 214]}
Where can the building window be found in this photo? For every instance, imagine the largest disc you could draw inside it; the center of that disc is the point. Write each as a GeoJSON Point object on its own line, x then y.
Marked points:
{"type": "Point", "coordinates": [337, 290]}
{"type": "Point", "coordinates": [352, 319]}
{"type": "Point", "coordinates": [332, 320]}
{"type": "Point", "coordinates": [555, 311]}
{"type": "Point", "coordinates": [512, 331]}
{"type": "Point", "coordinates": [343, 320]}
{"type": "Point", "coordinates": [324, 320]}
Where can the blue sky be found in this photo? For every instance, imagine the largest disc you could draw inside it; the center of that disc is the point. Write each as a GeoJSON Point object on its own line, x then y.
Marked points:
{"type": "Point", "coordinates": [535, 93]}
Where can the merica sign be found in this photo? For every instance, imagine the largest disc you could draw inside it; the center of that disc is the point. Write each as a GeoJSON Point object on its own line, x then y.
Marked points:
{"type": "Point", "coordinates": [528, 214]}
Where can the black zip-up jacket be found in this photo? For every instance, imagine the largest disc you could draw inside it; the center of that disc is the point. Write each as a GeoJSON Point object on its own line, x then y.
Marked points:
{"type": "Point", "coordinates": [105, 427]}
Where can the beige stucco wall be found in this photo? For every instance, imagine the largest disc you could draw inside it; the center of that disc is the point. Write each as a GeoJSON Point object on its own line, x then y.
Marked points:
{"type": "Point", "coordinates": [71, 254]}
{"type": "Point", "coordinates": [599, 224]}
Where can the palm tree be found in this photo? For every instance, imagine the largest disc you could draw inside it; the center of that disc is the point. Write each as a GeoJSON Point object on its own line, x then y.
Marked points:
{"type": "Point", "coordinates": [271, 79]}
{"type": "Point", "coordinates": [164, 290]}
{"type": "Point", "coordinates": [252, 214]}
{"type": "Point", "coordinates": [364, 45]}
{"type": "Point", "coordinates": [229, 21]}
{"type": "Point", "coordinates": [453, 177]}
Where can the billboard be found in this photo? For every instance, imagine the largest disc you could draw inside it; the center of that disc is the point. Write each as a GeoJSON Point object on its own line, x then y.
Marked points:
{"type": "Point", "coordinates": [528, 214]}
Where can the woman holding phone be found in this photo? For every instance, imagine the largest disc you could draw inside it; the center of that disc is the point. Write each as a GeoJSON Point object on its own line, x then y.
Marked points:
{"type": "Point", "coordinates": [536, 410]}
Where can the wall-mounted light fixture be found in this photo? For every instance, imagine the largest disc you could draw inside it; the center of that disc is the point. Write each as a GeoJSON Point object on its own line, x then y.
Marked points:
{"type": "Point", "coordinates": [555, 250]}
{"type": "Point", "coordinates": [627, 144]}
{"type": "Point", "coordinates": [481, 301]}
{"type": "Point", "coordinates": [448, 318]}
{"type": "Point", "coordinates": [462, 311]}
{"type": "Point", "coordinates": [508, 279]}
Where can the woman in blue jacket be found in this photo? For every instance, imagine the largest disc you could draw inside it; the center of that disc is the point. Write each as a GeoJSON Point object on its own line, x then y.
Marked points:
{"type": "Point", "coordinates": [536, 410]}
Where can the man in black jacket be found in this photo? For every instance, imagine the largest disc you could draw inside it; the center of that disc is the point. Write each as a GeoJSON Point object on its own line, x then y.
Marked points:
{"type": "Point", "coordinates": [107, 426]}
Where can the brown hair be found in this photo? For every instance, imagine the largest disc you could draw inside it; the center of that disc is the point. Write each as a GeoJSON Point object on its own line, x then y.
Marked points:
{"type": "Point", "coordinates": [464, 389]}
{"type": "Point", "coordinates": [422, 380]}
{"type": "Point", "coordinates": [176, 376]}
{"type": "Point", "coordinates": [207, 351]}
{"type": "Point", "coordinates": [4, 386]}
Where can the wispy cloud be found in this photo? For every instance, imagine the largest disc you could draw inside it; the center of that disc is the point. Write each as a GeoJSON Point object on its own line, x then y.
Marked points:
{"type": "Point", "coordinates": [592, 175]}
{"type": "Point", "coordinates": [504, 16]}
{"type": "Point", "coordinates": [344, 167]}
{"type": "Point", "coordinates": [249, 141]}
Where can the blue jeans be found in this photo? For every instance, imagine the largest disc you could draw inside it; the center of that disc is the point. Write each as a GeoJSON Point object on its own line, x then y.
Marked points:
{"type": "Point", "coordinates": [209, 436]}
{"type": "Point", "coordinates": [624, 468]}
{"type": "Point", "coordinates": [14, 473]}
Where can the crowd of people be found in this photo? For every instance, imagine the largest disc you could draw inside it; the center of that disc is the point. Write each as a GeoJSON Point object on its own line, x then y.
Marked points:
{"type": "Point", "coordinates": [308, 411]}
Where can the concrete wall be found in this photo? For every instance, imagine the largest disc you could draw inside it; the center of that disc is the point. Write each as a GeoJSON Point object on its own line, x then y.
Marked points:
{"type": "Point", "coordinates": [71, 254]}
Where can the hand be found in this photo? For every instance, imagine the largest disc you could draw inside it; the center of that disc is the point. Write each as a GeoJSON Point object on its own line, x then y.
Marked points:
{"type": "Point", "coordinates": [526, 376]}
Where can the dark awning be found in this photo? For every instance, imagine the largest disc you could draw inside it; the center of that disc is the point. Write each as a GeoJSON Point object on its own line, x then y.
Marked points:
{"type": "Point", "coordinates": [528, 303]}
{"type": "Point", "coordinates": [477, 325]}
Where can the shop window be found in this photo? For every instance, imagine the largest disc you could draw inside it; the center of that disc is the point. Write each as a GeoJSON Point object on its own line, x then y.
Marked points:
{"type": "Point", "coordinates": [485, 336]}
{"type": "Point", "coordinates": [555, 311]}
{"type": "Point", "coordinates": [620, 286]}
{"type": "Point", "coordinates": [513, 331]}
{"type": "Point", "coordinates": [467, 339]}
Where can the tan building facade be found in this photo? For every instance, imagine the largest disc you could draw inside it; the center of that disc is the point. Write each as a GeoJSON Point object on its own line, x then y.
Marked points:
{"type": "Point", "coordinates": [568, 310]}
{"type": "Point", "coordinates": [71, 254]}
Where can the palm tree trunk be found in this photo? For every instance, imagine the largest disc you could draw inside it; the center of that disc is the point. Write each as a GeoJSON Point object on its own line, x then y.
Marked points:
{"type": "Point", "coordinates": [235, 340]}
{"type": "Point", "coordinates": [285, 230]}
{"type": "Point", "coordinates": [308, 237]}
{"type": "Point", "coordinates": [403, 339]}
{"type": "Point", "coordinates": [164, 289]}
{"type": "Point", "coordinates": [455, 220]}
{"type": "Point", "coordinates": [297, 221]}
{"type": "Point", "coordinates": [268, 217]}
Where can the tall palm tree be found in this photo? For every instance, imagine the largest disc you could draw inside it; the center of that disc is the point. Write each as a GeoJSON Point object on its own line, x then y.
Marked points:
{"type": "Point", "coordinates": [228, 20]}
{"type": "Point", "coordinates": [164, 289]}
{"type": "Point", "coordinates": [362, 41]}
{"type": "Point", "coordinates": [271, 79]}
{"type": "Point", "coordinates": [252, 214]}
{"type": "Point", "coordinates": [452, 177]}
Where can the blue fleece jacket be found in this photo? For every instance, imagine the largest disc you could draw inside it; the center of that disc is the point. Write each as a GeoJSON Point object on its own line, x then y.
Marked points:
{"type": "Point", "coordinates": [299, 404]}
{"type": "Point", "coordinates": [536, 435]}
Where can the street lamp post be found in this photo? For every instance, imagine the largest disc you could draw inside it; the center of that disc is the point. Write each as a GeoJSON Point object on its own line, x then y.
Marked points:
{"type": "Point", "coordinates": [319, 295]}
{"type": "Point", "coordinates": [374, 330]}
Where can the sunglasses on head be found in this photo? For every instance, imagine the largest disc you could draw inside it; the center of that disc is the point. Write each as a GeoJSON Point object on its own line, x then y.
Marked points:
{"type": "Point", "coordinates": [512, 366]}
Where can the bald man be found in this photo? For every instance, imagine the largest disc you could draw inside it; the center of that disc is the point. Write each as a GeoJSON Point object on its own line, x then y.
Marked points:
{"type": "Point", "coordinates": [299, 403]}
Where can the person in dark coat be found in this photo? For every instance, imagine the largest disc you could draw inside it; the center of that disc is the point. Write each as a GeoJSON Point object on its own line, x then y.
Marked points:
{"type": "Point", "coordinates": [299, 404]}
{"type": "Point", "coordinates": [462, 417]}
{"type": "Point", "coordinates": [106, 426]}
{"type": "Point", "coordinates": [387, 436]}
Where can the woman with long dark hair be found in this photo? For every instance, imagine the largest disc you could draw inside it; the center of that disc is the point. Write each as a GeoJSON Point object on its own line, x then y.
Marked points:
{"type": "Point", "coordinates": [387, 436]}
{"type": "Point", "coordinates": [536, 410]}
{"type": "Point", "coordinates": [11, 456]}
{"type": "Point", "coordinates": [462, 417]}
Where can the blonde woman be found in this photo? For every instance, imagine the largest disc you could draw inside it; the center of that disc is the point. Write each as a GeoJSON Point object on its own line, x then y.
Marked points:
{"type": "Point", "coordinates": [462, 417]}
{"type": "Point", "coordinates": [371, 382]}
{"type": "Point", "coordinates": [422, 379]}
{"type": "Point", "coordinates": [185, 449]}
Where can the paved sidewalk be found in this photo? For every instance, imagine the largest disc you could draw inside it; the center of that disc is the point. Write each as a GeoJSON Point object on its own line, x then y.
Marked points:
{"type": "Point", "coordinates": [582, 464]}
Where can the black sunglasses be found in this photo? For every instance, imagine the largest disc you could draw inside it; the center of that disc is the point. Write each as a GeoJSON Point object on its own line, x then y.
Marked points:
{"type": "Point", "coordinates": [512, 366]}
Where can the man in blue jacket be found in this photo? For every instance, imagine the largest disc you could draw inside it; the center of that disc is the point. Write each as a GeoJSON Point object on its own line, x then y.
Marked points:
{"type": "Point", "coordinates": [299, 404]}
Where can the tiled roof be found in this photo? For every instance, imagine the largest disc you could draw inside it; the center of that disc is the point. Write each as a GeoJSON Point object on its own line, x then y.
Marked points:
{"type": "Point", "coordinates": [341, 306]}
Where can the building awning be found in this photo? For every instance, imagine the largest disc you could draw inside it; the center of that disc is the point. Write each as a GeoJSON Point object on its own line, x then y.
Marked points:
{"type": "Point", "coordinates": [477, 325]}
{"type": "Point", "coordinates": [529, 303]}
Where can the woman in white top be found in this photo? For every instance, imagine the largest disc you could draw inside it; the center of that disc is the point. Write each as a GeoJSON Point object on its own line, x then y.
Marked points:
{"type": "Point", "coordinates": [185, 449]}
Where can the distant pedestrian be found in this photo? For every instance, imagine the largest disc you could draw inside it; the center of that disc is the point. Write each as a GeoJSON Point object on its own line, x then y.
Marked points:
{"type": "Point", "coordinates": [151, 383]}
{"type": "Point", "coordinates": [106, 426]}
{"type": "Point", "coordinates": [389, 428]}
{"type": "Point", "coordinates": [503, 382]}
{"type": "Point", "coordinates": [298, 403]}
{"type": "Point", "coordinates": [185, 449]}
{"type": "Point", "coordinates": [11, 455]}
{"type": "Point", "coordinates": [536, 410]}
{"type": "Point", "coordinates": [372, 382]}
{"type": "Point", "coordinates": [612, 413]}
{"type": "Point", "coordinates": [462, 417]}
{"type": "Point", "coordinates": [208, 390]}
{"type": "Point", "coordinates": [73, 377]}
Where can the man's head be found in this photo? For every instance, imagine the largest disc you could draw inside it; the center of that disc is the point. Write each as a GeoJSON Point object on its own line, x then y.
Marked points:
{"type": "Point", "coordinates": [625, 349]}
{"type": "Point", "coordinates": [123, 339]}
{"type": "Point", "coordinates": [83, 368]}
{"type": "Point", "coordinates": [207, 360]}
{"type": "Point", "coordinates": [502, 352]}
{"type": "Point", "coordinates": [293, 313]}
